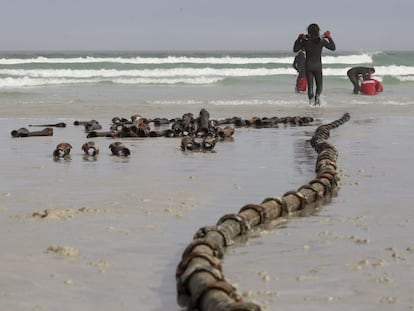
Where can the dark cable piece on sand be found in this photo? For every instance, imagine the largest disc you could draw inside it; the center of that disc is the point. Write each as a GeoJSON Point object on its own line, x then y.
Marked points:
{"type": "Point", "coordinates": [62, 150]}
{"type": "Point", "coordinates": [90, 148]}
{"type": "Point", "coordinates": [23, 132]}
{"type": "Point", "coordinates": [118, 149]}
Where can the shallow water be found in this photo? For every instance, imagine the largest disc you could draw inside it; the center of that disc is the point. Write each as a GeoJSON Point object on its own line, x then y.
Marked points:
{"type": "Point", "coordinates": [130, 219]}
{"type": "Point", "coordinates": [126, 221]}
{"type": "Point", "coordinates": [356, 252]}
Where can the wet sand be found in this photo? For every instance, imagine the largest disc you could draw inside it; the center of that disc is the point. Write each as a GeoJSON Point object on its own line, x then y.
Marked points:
{"type": "Point", "coordinates": [115, 228]}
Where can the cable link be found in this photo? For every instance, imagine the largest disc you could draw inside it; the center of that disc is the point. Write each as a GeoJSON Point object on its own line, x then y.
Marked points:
{"type": "Point", "coordinates": [279, 201]}
{"type": "Point", "coordinates": [219, 285]}
{"type": "Point", "coordinates": [240, 219]}
{"type": "Point", "coordinates": [183, 265]}
{"type": "Point", "coordinates": [323, 163]}
{"type": "Point", "coordinates": [243, 306]}
{"type": "Point", "coordinates": [216, 250]}
{"type": "Point", "coordinates": [326, 155]}
{"type": "Point", "coordinates": [302, 199]}
{"type": "Point", "coordinates": [260, 210]}
{"type": "Point", "coordinates": [318, 195]}
{"type": "Point", "coordinates": [326, 186]}
{"type": "Point", "coordinates": [329, 176]}
{"type": "Point", "coordinates": [322, 146]}
{"type": "Point", "coordinates": [182, 281]}
{"type": "Point", "coordinates": [202, 232]}
{"type": "Point", "coordinates": [197, 268]}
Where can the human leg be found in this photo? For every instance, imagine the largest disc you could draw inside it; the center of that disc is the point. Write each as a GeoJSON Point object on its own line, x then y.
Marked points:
{"type": "Point", "coordinates": [354, 80]}
{"type": "Point", "coordinates": [309, 78]}
{"type": "Point", "coordinates": [319, 85]}
{"type": "Point", "coordinates": [297, 84]}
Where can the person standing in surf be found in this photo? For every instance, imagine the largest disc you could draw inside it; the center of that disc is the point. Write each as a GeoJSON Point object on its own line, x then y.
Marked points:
{"type": "Point", "coordinates": [313, 44]}
{"type": "Point", "coordinates": [299, 65]}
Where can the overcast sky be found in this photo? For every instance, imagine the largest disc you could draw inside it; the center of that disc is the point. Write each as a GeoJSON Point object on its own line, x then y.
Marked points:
{"type": "Point", "coordinates": [363, 25]}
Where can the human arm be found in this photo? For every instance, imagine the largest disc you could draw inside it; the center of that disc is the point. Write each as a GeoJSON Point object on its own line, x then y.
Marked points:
{"type": "Point", "coordinates": [328, 41]}
{"type": "Point", "coordinates": [295, 65]}
{"type": "Point", "coordinates": [378, 86]}
{"type": "Point", "coordinates": [299, 42]}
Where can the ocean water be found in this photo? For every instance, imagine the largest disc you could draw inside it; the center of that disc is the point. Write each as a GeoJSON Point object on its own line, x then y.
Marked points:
{"type": "Point", "coordinates": [124, 223]}
{"type": "Point", "coordinates": [80, 81]}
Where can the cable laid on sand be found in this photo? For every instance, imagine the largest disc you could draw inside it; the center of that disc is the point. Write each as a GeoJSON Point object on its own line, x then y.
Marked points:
{"type": "Point", "coordinates": [201, 284]}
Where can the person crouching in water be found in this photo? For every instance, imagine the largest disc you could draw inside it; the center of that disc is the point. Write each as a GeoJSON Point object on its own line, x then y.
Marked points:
{"type": "Point", "coordinates": [299, 65]}
{"type": "Point", "coordinates": [313, 43]}
{"type": "Point", "coordinates": [369, 85]}
{"type": "Point", "coordinates": [355, 73]}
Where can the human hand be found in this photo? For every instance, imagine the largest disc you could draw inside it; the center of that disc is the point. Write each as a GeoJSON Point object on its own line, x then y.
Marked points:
{"type": "Point", "coordinates": [327, 35]}
{"type": "Point", "coordinates": [301, 36]}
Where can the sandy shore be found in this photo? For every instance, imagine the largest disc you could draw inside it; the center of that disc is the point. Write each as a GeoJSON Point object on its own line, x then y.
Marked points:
{"type": "Point", "coordinates": [108, 233]}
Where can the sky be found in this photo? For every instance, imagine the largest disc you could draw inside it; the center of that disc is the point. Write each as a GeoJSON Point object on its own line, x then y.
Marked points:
{"type": "Point", "coordinates": [202, 25]}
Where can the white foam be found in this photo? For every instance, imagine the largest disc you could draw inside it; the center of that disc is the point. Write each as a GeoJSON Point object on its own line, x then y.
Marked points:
{"type": "Point", "coordinates": [160, 73]}
{"type": "Point", "coordinates": [141, 60]}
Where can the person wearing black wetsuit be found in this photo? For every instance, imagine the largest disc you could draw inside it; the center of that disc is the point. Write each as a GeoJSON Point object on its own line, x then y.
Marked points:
{"type": "Point", "coordinates": [354, 74]}
{"type": "Point", "coordinates": [299, 65]}
{"type": "Point", "coordinates": [313, 43]}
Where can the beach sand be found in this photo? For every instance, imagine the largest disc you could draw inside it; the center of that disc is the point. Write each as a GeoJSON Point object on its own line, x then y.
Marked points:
{"type": "Point", "coordinates": [108, 234]}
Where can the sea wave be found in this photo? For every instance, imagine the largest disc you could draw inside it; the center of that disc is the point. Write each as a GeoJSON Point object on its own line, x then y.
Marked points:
{"type": "Point", "coordinates": [157, 72]}
{"type": "Point", "coordinates": [223, 60]}
{"type": "Point", "coordinates": [23, 71]}
{"type": "Point", "coordinates": [33, 82]}
{"type": "Point", "coordinates": [190, 72]}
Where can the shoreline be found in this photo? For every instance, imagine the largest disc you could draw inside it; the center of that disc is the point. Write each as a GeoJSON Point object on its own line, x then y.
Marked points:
{"type": "Point", "coordinates": [138, 232]}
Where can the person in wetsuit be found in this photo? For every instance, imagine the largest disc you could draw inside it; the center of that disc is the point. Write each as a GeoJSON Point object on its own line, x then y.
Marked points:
{"type": "Point", "coordinates": [313, 43]}
{"type": "Point", "coordinates": [299, 65]}
{"type": "Point", "coordinates": [355, 73]}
